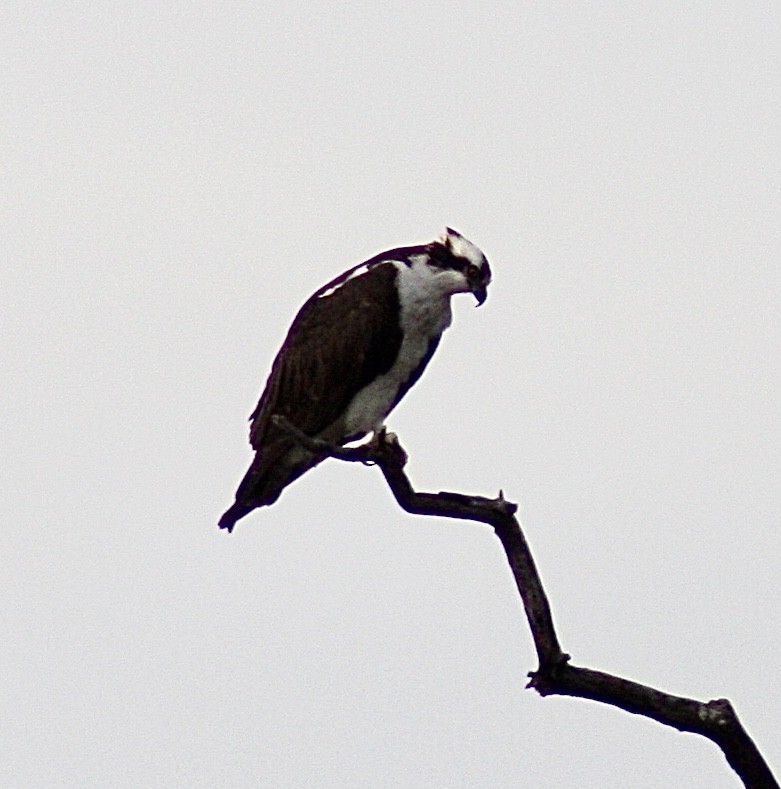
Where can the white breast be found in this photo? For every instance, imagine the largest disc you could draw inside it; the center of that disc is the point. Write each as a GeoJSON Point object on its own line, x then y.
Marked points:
{"type": "Point", "coordinates": [424, 299]}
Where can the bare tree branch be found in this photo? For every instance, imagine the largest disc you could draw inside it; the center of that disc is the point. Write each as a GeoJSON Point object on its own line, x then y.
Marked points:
{"type": "Point", "coordinates": [716, 720]}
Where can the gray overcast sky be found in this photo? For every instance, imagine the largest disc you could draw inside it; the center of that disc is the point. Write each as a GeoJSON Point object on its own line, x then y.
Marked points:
{"type": "Point", "coordinates": [177, 178]}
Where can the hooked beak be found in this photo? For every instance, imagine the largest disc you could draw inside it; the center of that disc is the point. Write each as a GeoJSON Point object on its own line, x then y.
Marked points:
{"type": "Point", "coordinates": [478, 280]}
{"type": "Point", "coordinates": [478, 284]}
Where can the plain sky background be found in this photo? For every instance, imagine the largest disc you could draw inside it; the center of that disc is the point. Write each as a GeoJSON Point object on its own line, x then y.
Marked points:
{"type": "Point", "coordinates": [177, 178]}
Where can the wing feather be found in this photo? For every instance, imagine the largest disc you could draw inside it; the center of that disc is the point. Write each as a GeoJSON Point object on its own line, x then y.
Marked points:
{"type": "Point", "coordinates": [337, 344]}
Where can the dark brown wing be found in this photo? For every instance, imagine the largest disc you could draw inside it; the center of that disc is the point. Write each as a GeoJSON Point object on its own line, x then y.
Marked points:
{"type": "Point", "coordinates": [337, 344]}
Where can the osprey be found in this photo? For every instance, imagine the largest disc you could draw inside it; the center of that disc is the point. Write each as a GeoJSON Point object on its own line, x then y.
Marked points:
{"type": "Point", "coordinates": [353, 351]}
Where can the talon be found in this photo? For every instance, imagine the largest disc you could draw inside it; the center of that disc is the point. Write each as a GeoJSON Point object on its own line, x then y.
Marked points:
{"type": "Point", "coordinates": [382, 440]}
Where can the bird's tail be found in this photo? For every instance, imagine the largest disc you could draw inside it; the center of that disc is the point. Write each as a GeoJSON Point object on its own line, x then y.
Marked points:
{"type": "Point", "coordinates": [273, 469]}
{"type": "Point", "coordinates": [253, 491]}
{"type": "Point", "coordinates": [235, 512]}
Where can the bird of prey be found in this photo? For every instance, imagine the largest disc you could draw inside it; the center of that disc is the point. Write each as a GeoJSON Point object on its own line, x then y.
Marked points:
{"type": "Point", "coordinates": [353, 351]}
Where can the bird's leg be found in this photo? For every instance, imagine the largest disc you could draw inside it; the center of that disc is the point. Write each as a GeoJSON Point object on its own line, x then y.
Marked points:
{"type": "Point", "coordinates": [316, 445]}
{"type": "Point", "coordinates": [380, 437]}
{"type": "Point", "coordinates": [357, 454]}
{"type": "Point", "coordinates": [381, 443]}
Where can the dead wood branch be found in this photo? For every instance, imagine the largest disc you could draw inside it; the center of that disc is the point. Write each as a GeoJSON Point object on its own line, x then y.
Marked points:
{"type": "Point", "coordinates": [555, 675]}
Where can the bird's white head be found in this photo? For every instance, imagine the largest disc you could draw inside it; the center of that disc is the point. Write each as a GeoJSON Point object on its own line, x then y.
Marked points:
{"type": "Point", "coordinates": [463, 263]}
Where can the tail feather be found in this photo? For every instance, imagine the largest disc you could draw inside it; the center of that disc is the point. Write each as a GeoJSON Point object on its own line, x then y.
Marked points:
{"type": "Point", "coordinates": [271, 471]}
{"type": "Point", "coordinates": [234, 513]}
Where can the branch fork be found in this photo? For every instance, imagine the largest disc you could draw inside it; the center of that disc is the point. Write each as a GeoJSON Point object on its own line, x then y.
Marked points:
{"type": "Point", "coordinates": [716, 719]}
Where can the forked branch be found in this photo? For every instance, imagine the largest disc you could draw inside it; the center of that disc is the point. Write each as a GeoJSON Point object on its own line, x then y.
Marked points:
{"type": "Point", "coordinates": [555, 675]}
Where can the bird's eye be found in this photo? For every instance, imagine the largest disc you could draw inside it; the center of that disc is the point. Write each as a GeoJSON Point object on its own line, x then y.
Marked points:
{"type": "Point", "coordinates": [472, 271]}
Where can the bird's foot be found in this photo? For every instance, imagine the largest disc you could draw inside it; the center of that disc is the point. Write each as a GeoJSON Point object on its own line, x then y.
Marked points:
{"type": "Point", "coordinates": [382, 440]}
